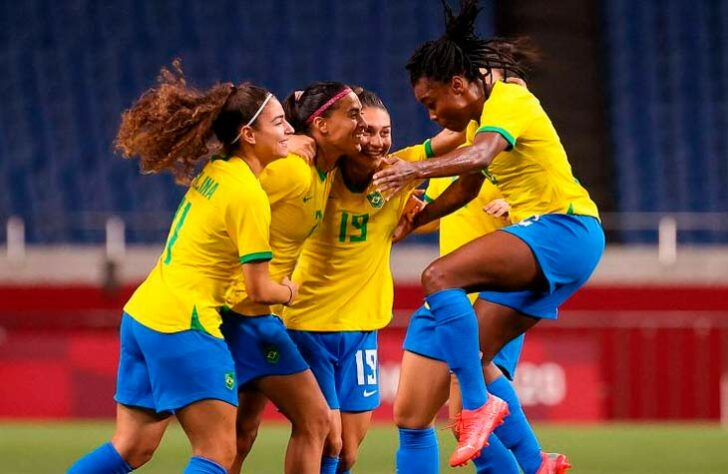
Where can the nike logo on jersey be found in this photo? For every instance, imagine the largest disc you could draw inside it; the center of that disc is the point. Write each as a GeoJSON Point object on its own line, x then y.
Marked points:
{"type": "Point", "coordinates": [307, 198]}
{"type": "Point", "coordinates": [368, 394]}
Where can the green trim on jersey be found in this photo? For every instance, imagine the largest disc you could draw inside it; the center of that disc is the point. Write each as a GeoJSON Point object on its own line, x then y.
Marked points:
{"type": "Point", "coordinates": [504, 133]}
{"type": "Point", "coordinates": [195, 324]}
{"type": "Point", "coordinates": [429, 153]}
{"type": "Point", "coordinates": [256, 257]}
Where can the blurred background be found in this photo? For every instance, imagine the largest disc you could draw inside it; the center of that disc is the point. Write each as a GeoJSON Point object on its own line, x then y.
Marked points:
{"type": "Point", "coordinates": [632, 378]}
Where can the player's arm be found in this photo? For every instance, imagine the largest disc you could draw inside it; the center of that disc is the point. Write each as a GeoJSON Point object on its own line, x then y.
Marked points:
{"type": "Point", "coordinates": [478, 156]}
{"type": "Point", "coordinates": [445, 142]}
{"type": "Point", "coordinates": [261, 289]}
{"type": "Point", "coordinates": [458, 194]}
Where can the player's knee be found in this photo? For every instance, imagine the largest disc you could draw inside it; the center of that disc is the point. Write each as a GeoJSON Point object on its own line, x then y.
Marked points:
{"type": "Point", "coordinates": [315, 424]}
{"type": "Point", "coordinates": [222, 453]}
{"type": "Point", "coordinates": [435, 278]}
{"type": "Point", "coordinates": [405, 417]}
{"type": "Point", "coordinates": [136, 452]}
{"type": "Point", "coordinates": [220, 449]}
{"type": "Point", "coordinates": [347, 459]}
{"type": "Point", "coordinates": [333, 446]}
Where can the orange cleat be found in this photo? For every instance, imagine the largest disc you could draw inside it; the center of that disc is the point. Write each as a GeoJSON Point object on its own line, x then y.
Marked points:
{"type": "Point", "coordinates": [474, 428]}
{"type": "Point", "coordinates": [553, 463]}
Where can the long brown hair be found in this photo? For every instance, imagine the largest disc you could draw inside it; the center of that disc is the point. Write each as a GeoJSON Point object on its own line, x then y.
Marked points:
{"type": "Point", "coordinates": [171, 126]}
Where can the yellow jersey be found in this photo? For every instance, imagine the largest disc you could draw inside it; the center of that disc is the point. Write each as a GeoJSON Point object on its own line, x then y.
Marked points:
{"type": "Point", "coordinates": [533, 174]}
{"type": "Point", "coordinates": [222, 221]}
{"type": "Point", "coordinates": [344, 273]}
{"type": "Point", "coordinates": [298, 193]}
{"type": "Point", "coordinates": [470, 221]}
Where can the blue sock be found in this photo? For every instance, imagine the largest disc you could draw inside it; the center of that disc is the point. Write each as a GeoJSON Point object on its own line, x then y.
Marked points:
{"type": "Point", "coordinates": [516, 433]}
{"type": "Point", "coordinates": [457, 334]}
{"type": "Point", "coordinates": [418, 452]}
{"type": "Point", "coordinates": [344, 472]}
{"type": "Point", "coordinates": [329, 464]}
{"type": "Point", "coordinates": [496, 459]}
{"type": "Point", "coordinates": [200, 465]}
{"type": "Point", "coordinates": [104, 459]}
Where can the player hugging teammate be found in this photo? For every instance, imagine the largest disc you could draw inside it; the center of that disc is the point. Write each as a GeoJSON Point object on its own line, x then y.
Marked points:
{"type": "Point", "coordinates": [275, 277]}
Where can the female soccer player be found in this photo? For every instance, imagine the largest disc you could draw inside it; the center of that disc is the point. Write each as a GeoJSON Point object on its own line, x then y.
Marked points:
{"type": "Point", "coordinates": [528, 269]}
{"type": "Point", "coordinates": [457, 229]}
{"type": "Point", "coordinates": [268, 363]}
{"type": "Point", "coordinates": [347, 290]}
{"type": "Point", "coordinates": [173, 359]}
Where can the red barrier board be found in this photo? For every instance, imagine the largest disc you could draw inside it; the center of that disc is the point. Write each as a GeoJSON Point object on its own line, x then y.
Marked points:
{"type": "Point", "coordinates": [656, 353]}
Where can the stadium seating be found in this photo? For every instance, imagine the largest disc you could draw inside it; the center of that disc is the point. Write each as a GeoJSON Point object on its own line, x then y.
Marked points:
{"type": "Point", "coordinates": [666, 64]}
{"type": "Point", "coordinates": [70, 68]}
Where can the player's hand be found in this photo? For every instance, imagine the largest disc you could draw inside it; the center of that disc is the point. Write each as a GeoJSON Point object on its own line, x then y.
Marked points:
{"type": "Point", "coordinates": [303, 146]}
{"type": "Point", "coordinates": [395, 176]}
{"type": "Point", "coordinates": [405, 226]}
{"type": "Point", "coordinates": [497, 208]}
{"type": "Point", "coordinates": [403, 229]}
{"type": "Point", "coordinates": [294, 290]}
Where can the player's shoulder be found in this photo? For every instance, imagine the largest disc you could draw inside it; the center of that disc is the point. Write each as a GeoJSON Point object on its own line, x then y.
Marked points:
{"type": "Point", "coordinates": [292, 173]}
{"type": "Point", "coordinates": [412, 153]}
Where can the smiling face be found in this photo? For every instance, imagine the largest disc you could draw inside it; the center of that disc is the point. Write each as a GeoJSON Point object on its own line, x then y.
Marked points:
{"type": "Point", "coordinates": [269, 133]}
{"type": "Point", "coordinates": [451, 105]}
{"type": "Point", "coordinates": [377, 139]}
{"type": "Point", "coordinates": [344, 127]}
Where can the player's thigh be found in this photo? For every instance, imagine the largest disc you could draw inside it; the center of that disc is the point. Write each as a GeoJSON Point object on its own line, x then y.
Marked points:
{"type": "Point", "coordinates": [499, 325]}
{"type": "Point", "coordinates": [498, 261]}
{"type": "Point", "coordinates": [138, 431]}
{"type": "Point", "coordinates": [423, 389]}
{"type": "Point", "coordinates": [210, 427]}
{"type": "Point", "coordinates": [298, 397]}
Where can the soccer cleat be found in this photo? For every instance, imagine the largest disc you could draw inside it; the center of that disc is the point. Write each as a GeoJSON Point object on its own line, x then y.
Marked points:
{"type": "Point", "coordinates": [474, 428]}
{"type": "Point", "coordinates": [553, 463]}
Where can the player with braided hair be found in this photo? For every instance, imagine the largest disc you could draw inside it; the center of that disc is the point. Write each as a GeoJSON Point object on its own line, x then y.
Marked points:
{"type": "Point", "coordinates": [524, 271]}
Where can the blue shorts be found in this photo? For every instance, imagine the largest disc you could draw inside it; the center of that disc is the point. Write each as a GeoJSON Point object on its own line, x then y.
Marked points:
{"type": "Point", "coordinates": [168, 371]}
{"type": "Point", "coordinates": [567, 248]}
{"type": "Point", "coordinates": [260, 346]}
{"type": "Point", "coordinates": [345, 365]}
{"type": "Point", "coordinates": [420, 339]}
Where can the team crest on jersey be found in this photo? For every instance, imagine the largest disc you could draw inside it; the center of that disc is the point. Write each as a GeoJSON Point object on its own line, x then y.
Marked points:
{"type": "Point", "coordinates": [271, 354]}
{"type": "Point", "coordinates": [229, 380]}
{"type": "Point", "coordinates": [376, 199]}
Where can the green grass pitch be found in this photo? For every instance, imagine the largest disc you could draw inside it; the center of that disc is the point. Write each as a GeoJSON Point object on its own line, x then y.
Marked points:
{"type": "Point", "coordinates": [34, 448]}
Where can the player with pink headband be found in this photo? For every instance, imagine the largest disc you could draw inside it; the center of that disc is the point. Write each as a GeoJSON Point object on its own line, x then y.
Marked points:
{"type": "Point", "coordinates": [268, 363]}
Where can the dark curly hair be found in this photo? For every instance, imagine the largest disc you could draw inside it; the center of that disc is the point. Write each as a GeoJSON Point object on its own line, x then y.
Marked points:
{"type": "Point", "coordinates": [461, 52]}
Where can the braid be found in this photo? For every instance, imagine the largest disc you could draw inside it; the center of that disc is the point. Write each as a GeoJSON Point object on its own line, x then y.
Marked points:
{"type": "Point", "coordinates": [461, 52]}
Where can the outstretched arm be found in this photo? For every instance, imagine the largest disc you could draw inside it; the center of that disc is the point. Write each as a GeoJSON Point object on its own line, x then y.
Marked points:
{"type": "Point", "coordinates": [487, 145]}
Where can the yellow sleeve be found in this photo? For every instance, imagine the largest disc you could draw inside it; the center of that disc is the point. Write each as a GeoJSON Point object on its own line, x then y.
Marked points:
{"type": "Point", "coordinates": [285, 178]}
{"type": "Point", "coordinates": [414, 152]}
{"type": "Point", "coordinates": [247, 220]}
{"type": "Point", "coordinates": [509, 111]}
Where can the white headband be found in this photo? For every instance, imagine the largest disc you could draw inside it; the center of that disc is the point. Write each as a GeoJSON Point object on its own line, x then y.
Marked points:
{"type": "Point", "coordinates": [255, 116]}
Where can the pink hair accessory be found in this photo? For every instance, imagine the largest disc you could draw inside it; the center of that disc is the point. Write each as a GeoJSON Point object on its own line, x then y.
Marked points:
{"type": "Point", "coordinates": [344, 92]}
